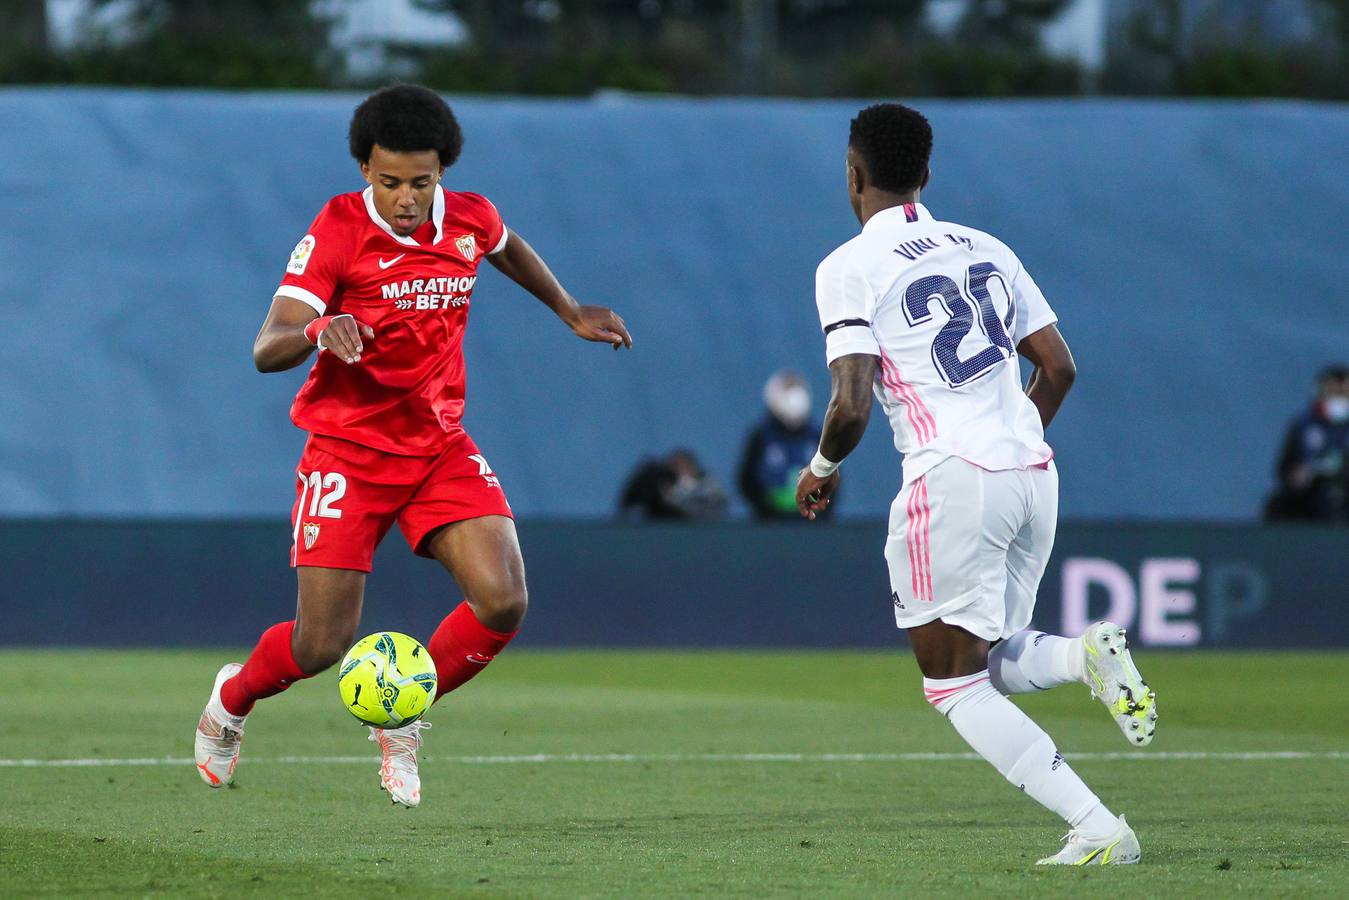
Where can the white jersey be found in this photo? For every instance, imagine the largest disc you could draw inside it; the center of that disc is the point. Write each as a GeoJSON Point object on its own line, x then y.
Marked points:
{"type": "Point", "coordinates": [943, 306]}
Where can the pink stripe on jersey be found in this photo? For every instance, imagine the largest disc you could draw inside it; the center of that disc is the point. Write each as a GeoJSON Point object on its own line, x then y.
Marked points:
{"type": "Point", "coordinates": [887, 379]}
{"type": "Point", "coordinates": [917, 424]}
{"type": "Point", "coordinates": [924, 425]}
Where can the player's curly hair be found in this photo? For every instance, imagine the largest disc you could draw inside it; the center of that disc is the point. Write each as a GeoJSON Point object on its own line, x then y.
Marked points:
{"type": "Point", "coordinates": [895, 142]}
{"type": "Point", "coordinates": [405, 118]}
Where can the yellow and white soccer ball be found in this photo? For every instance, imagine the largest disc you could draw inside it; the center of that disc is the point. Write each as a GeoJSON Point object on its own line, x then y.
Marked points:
{"type": "Point", "coordinates": [387, 680]}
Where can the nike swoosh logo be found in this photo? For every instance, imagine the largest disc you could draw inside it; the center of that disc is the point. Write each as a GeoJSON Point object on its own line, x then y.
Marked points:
{"type": "Point", "coordinates": [478, 659]}
{"type": "Point", "coordinates": [385, 265]}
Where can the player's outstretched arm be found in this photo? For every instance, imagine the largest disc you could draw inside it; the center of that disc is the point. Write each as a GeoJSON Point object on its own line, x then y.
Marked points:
{"type": "Point", "coordinates": [293, 329]}
{"type": "Point", "coordinates": [1054, 370]}
{"type": "Point", "coordinates": [518, 262]}
{"type": "Point", "coordinates": [844, 424]}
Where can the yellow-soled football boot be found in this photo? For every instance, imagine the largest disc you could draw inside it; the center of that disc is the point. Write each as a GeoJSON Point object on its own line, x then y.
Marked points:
{"type": "Point", "coordinates": [1114, 680]}
{"type": "Point", "coordinates": [1120, 848]}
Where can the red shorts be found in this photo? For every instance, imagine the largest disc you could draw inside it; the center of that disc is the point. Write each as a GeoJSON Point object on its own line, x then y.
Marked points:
{"type": "Point", "coordinates": [349, 495]}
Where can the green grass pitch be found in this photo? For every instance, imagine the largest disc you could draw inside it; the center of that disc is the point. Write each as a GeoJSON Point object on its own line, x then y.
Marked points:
{"type": "Point", "coordinates": [687, 813]}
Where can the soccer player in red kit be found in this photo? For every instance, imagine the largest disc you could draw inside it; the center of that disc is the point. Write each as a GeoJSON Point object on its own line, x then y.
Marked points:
{"type": "Point", "coordinates": [381, 287]}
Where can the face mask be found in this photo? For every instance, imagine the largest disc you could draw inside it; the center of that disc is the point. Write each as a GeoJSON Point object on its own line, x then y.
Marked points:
{"type": "Point", "coordinates": [1337, 409]}
{"type": "Point", "coordinates": [790, 406]}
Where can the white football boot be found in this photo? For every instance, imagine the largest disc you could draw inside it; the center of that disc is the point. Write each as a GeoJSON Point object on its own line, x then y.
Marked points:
{"type": "Point", "coordinates": [398, 767]}
{"type": "Point", "coordinates": [1114, 680]}
{"type": "Point", "coordinates": [219, 735]}
{"type": "Point", "coordinates": [1119, 849]}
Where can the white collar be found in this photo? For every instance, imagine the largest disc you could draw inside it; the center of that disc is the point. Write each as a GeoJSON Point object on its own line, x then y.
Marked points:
{"type": "Point", "coordinates": [437, 216]}
{"type": "Point", "coordinates": [906, 213]}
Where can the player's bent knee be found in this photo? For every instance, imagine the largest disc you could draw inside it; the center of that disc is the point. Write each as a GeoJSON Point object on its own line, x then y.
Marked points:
{"type": "Point", "coordinates": [509, 609]}
{"type": "Point", "coordinates": [501, 607]}
{"type": "Point", "coordinates": [314, 661]}
{"type": "Point", "coordinates": [516, 607]}
{"type": "Point", "coordinates": [315, 654]}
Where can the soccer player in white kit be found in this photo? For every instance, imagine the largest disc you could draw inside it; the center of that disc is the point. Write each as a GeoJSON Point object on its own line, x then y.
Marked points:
{"type": "Point", "coordinates": [932, 316]}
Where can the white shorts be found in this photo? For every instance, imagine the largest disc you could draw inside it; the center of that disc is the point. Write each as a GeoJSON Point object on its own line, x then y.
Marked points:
{"type": "Point", "coordinates": [969, 546]}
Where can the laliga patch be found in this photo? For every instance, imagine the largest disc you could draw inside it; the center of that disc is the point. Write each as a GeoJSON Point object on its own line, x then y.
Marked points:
{"type": "Point", "coordinates": [467, 246]}
{"type": "Point", "coordinates": [299, 257]}
{"type": "Point", "coordinates": [311, 534]}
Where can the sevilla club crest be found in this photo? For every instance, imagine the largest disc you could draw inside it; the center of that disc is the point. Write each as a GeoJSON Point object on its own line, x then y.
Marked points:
{"type": "Point", "coordinates": [467, 246]}
{"type": "Point", "coordinates": [311, 534]}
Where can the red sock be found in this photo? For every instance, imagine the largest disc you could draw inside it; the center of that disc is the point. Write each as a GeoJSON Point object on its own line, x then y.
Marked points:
{"type": "Point", "coordinates": [462, 647]}
{"type": "Point", "coordinates": [270, 669]}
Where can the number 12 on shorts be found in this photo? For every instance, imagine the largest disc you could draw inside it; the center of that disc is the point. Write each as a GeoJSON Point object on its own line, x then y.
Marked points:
{"type": "Point", "coordinates": [323, 491]}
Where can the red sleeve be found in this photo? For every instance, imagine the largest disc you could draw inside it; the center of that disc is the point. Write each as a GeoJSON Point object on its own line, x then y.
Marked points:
{"type": "Point", "coordinates": [489, 221]}
{"type": "Point", "coordinates": [317, 262]}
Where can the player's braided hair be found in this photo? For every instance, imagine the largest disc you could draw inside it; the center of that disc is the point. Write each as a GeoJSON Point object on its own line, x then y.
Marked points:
{"type": "Point", "coordinates": [895, 142]}
{"type": "Point", "coordinates": [405, 118]}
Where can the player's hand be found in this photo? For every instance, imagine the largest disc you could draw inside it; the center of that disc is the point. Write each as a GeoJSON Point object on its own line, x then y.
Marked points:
{"type": "Point", "coordinates": [813, 492]}
{"type": "Point", "coordinates": [604, 326]}
{"type": "Point", "coordinates": [345, 337]}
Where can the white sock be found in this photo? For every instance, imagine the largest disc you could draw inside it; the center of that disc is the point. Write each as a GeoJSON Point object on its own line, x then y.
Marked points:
{"type": "Point", "coordinates": [1018, 748]}
{"type": "Point", "coordinates": [219, 710]}
{"type": "Point", "coordinates": [224, 715]}
{"type": "Point", "coordinates": [1030, 661]}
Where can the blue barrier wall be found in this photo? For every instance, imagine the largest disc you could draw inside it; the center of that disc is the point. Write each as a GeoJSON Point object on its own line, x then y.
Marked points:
{"type": "Point", "coordinates": [733, 585]}
{"type": "Point", "coordinates": [1193, 251]}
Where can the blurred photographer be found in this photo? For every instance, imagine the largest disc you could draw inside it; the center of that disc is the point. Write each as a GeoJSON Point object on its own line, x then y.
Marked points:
{"type": "Point", "coordinates": [673, 487]}
{"type": "Point", "coordinates": [1312, 472]}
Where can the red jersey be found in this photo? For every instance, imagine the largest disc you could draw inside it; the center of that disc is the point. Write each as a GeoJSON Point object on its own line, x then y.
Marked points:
{"type": "Point", "coordinates": [407, 392]}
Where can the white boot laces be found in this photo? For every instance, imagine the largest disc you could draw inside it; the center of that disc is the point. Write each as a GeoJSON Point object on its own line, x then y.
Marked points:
{"type": "Point", "coordinates": [400, 741]}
